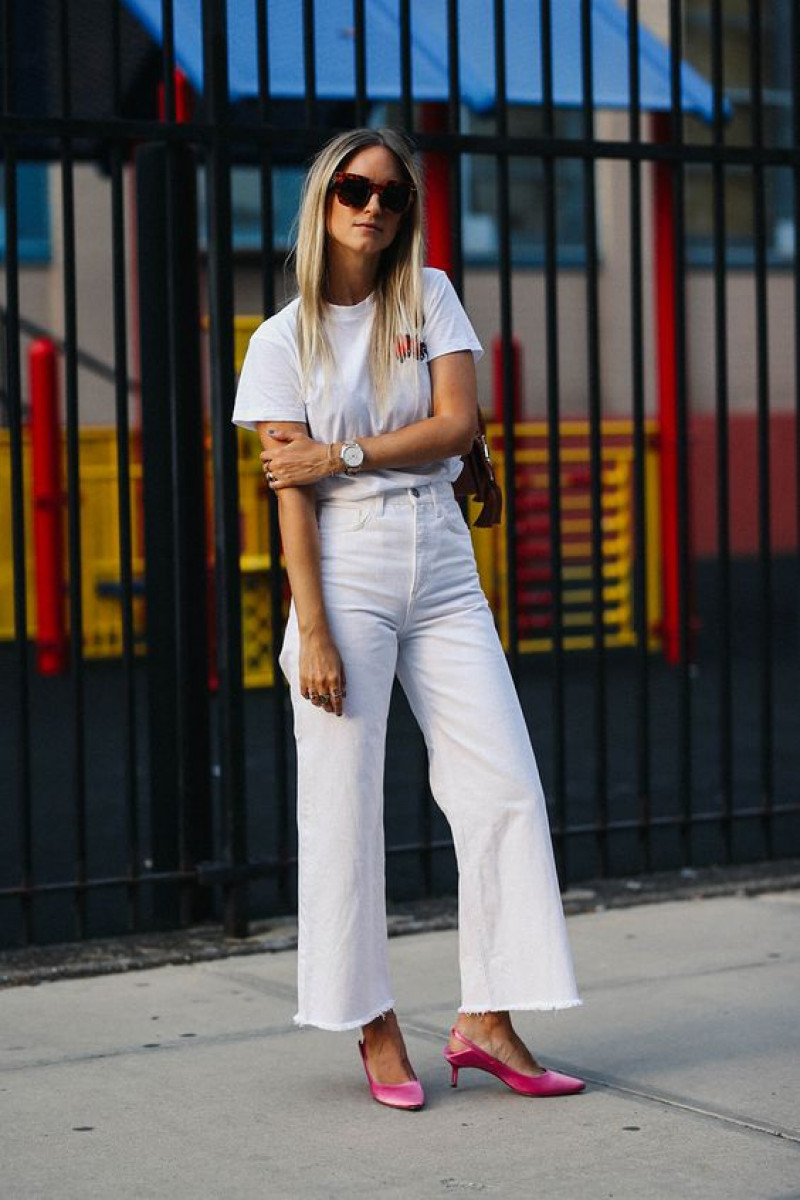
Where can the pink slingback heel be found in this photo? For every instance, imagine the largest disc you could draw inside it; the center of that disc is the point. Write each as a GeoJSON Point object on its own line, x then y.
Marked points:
{"type": "Point", "coordinates": [396, 1095]}
{"type": "Point", "coordinates": [551, 1083]}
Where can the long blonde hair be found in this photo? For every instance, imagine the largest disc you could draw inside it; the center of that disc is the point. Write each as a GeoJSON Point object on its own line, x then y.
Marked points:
{"type": "Point", "coordinates": [398, 287]}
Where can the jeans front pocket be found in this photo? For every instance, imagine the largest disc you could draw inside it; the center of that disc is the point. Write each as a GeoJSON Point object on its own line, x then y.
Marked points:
{"type": "Point", "coordinates": [342, 518]}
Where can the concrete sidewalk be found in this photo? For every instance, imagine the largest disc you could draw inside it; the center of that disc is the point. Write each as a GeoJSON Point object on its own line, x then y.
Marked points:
{"type": "Point", "coordinates": [191, 1081]}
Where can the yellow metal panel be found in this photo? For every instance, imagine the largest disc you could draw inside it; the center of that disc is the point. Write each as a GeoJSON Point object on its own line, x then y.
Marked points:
{"type": "Point", "coordinates": [243, 330]}
{"type": "Point", "coordinates": [575, 534]}
{"type": "Point", "coordinates": [653, 545]}
{"type": "Point", "coordinates": [6, 543]}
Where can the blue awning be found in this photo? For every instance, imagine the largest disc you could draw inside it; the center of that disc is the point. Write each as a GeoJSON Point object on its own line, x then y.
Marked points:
{"type": "Point", "coordinates": [335, 66]}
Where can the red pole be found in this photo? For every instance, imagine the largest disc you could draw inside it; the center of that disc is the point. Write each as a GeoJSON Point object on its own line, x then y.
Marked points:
{"type": "Point", "coordinates": [664, 280]}
{"type": "Point", "coordinates": [184, 100]}
{"type": "Point", "coordinates": [48, 499]}
{"type": "Point", "coordinates": [436, 169]}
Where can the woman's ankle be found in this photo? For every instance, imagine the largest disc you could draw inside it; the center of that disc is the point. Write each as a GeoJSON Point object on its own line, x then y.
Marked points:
{"type": "Point", "coordinates": [380, 1025]}
{"type": "Point", "coordinates": [486, 1021]}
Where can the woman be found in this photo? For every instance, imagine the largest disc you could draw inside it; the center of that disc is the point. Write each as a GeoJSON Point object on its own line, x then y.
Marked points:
{"type": "Point", "coordinates": [363, 392]}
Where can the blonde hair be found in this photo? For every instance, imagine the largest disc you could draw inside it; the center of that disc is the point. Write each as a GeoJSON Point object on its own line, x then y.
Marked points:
{"type": "Point", "coordinates": [398, 287]}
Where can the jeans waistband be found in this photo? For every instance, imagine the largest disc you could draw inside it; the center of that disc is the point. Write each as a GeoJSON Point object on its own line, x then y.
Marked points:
{"type": "Point", "coordinates": [422, 493]}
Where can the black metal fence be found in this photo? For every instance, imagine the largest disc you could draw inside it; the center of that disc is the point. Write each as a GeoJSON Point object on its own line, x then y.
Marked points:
{"type": "Point", "coordinates": [136, 795]}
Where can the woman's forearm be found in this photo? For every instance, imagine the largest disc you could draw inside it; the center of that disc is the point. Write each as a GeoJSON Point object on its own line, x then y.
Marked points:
{"type": "Point", "coordinates": [300, 536]}
{"type": "Point", "coordinates": [421, 442]}
{"type": "Point", "coordinates": [320, 673]}
{"type": "Point", "coordinates": [302, 460]}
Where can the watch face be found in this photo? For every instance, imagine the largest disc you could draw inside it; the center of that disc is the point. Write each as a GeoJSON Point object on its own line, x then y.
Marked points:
{"type": "Point", "coordinates": [353, 456]}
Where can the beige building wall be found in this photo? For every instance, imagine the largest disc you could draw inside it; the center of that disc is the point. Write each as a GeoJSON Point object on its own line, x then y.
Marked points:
{"type": "Point", "coordinates": [42, 288]}
{"type": "Point", "coordinates": [529, 306]}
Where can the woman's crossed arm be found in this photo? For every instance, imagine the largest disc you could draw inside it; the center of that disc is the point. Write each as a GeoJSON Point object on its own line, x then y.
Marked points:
{"type": "Point", "coordinates": [296, 459]}
{"type": "Point", "coordinates": [320, 669]}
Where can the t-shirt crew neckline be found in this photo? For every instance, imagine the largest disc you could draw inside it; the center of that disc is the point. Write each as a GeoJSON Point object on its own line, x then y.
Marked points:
{"type": "Point", "coordinates": [345, 312]}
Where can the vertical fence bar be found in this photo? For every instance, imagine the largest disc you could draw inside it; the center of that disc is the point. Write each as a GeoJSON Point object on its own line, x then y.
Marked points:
{"type": "Point", "coordinates": [554, 445]}
{"type": "Point", "coordinates": [406, 98]}
{"type": "Point", "coordinates": [158, 481]}
{"type": "Point", "coordinates": [116, 62]}
{"type": "Point", "coordinates": [177, 802]}
{"type": "Point", "coordinates": [73, 477]}
{"type": "Point", "coordinates": [506, 333]}
{"type": "Point", "coordinates": [188, 624]}
{"type": "Point", "coordinates": [124, 527]}
{"type": "Point", "coordinates": [436, 180]}
{"type": "Point", "coordinates": [122, 416]}
{"type": "Point", "coordinates": [595, 439]}
{"type": "Point", "coordinates": [682, 448]}
{"type": "Point", "coordinates": [360, 57]}
{"type": "Point", "coordinates": [641, 615]}
{"type": "Point", "coordinates": [442, 172]}
{"type": "Point", "coordinates": [226, 499]}
{"type": "Point", "coordinates": [279, 686]}
{"type": "Point", "coordinates": [168, 59]}
{"type": "Point", "coordinates": [762, 401]}
{"type": "Point", "coordinates": [310, 63]}
{"type": "Point", "coordinates": [718, 176]}
{"type": "Point", "coordinates": [13, 390]}
{"type": "Point", "coordinates": [454, 127]}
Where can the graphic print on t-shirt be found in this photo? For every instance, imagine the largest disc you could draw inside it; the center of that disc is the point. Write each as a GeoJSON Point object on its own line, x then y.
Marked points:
{"type": "Point", "coordinates": [408, 347]}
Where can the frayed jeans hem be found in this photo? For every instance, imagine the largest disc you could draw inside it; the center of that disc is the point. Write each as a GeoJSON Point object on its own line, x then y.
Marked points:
{"type": "Point", "coordinates": [341, 1026]}
{"type": "Point", "coordinates": [542, 1006]}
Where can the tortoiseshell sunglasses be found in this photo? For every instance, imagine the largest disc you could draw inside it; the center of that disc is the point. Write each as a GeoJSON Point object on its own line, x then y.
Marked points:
{"type": "Point", "coordinates": [354, 191]}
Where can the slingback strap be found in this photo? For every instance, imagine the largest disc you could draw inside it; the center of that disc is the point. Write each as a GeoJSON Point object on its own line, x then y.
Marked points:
{"type": "Point", "coordinates": [456, 1033]}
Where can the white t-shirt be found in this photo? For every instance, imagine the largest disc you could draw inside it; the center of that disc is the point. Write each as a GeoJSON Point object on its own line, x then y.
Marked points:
{"type": "Point", "coordinates": [270, 383]}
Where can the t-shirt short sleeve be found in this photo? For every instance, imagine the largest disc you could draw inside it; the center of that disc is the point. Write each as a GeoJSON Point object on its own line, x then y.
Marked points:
{"type": "Point", "coordinates": [447, 327]}
{"type": "Point", "coordinates": [269, 386]}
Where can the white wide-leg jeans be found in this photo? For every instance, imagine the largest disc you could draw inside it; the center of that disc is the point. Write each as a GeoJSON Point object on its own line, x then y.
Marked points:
{"type": "Point", "coordinates": [403, 596]}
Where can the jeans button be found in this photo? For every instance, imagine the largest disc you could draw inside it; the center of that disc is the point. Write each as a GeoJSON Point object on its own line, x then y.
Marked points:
{"type": "Point", "coordinates": [415, 491]}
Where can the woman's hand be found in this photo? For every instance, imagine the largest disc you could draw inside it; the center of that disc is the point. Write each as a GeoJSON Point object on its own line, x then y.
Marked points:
{"type": "Point", "coordinates": [322, 672]}
{"type": "Point", "coordinates": [301, 460]}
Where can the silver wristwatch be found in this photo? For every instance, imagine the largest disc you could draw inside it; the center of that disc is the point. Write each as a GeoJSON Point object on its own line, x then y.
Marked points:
{"type": "Point", "coordinates": [352, 456]}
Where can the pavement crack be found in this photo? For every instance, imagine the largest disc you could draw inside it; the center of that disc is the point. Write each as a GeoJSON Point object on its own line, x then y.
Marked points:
{"type": "Point", "coordinates": [627, 981]}
{"type": "Point", "coordinates": [671, 1100]}
{"type": "Point", "coordinates": [655, 1096]}
{"type": "Point", "coordinates": [168, 1045]}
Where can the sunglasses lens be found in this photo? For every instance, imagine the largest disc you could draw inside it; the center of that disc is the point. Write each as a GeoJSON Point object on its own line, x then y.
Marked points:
{"type": "Point", "coordinates": [354, 193]}
{"type": "Point", "coordinates": [396, 196]}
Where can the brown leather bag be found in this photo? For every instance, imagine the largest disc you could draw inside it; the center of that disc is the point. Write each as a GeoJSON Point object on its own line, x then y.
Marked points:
{"type": "Point", "coordinates": [477, 478]}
